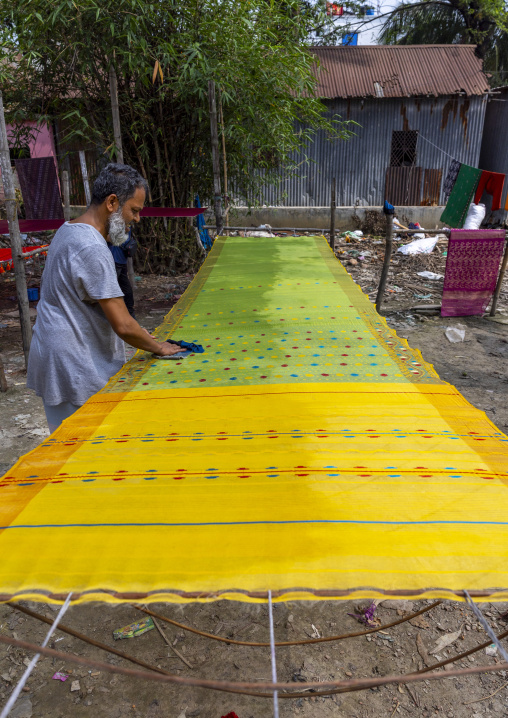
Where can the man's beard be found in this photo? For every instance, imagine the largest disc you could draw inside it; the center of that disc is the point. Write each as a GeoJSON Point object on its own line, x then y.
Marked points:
{"type": "Point", "coordinates": [116, 228]}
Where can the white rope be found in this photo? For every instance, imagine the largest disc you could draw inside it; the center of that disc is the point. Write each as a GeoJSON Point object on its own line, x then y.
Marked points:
{"type": "Point", "coordinates": [437, 148]}
{"type": "Point", "coordinates": [22, 681]}
{"type": "Point", "coordinates": [479, 615]}
{"type": "Point", "coordinates": [272, 654]}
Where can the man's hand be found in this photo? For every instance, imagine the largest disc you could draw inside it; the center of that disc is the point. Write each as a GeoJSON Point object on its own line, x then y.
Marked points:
{"type": "Point", "coordinates": [167, 349]}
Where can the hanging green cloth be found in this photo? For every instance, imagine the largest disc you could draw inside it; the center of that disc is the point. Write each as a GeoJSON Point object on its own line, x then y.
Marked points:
{"type": "Point", "coordinates": [461, 195]}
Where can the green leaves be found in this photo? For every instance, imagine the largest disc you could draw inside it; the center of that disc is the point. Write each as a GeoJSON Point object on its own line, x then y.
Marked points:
{"type": "Point", "coordinates": [165, 53]}
{"type": "Point", "coordinates": [480, 22]}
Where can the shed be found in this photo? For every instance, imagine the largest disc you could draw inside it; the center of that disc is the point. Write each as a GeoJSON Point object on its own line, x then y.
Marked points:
{"type": "Point", "coordinates": [417, 107]}
{"type": "Point", "coordinates": [494, 150]}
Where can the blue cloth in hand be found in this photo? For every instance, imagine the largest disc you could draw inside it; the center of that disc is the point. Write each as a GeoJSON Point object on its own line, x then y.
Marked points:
{"type": "Point", "coordinates": [190, 346]}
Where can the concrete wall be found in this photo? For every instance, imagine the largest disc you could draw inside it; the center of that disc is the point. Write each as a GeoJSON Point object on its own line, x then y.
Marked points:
{"type": "Point", "coordinates": [346, 218]}
{"type": "Point", "coordinates": [319, 217]}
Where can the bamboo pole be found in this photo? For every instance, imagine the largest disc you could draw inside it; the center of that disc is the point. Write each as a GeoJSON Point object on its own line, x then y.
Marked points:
{"type": "Point", "coordinates": [84, 173]}
{"type": "Point", "coordinates": [115, 111]}
{"type": "Point", "coordinates": [217, 199]}
{"type": "Point", "coordinates": [226, 202]}
{"type": "Point", "coordinates": [15, 235]}
{"type": "Point", "coordinates": [67, 195]}
{"type": "Point", "coordinates": [117, 134]}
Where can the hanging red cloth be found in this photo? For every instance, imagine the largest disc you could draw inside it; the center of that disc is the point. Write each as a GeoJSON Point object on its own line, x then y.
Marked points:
{"type": "Point", "coordinates": [492, 183]}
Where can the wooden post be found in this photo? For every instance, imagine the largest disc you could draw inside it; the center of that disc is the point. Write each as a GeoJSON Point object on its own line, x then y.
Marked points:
{"type": "Point", "coordinates": [215, 158]}
{"type": "Point", "coordinates": [117, 133]}
{"type": "Point", "coordinates": [333, 205]}
{"type": "Point", "coordinates": [67, 195]}
{"type": "Point", "coordinates": [15, 236]}
{"type": "Point", "coordinates": [386, 263]}
{"type": "Point", "coordinates": [84, 172]}
{"type": "Point", "coordinates": [497, 291]}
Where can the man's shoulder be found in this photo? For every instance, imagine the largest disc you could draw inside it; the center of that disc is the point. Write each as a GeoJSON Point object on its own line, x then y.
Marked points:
{"type": "Point", "coordinates": [80, 236]}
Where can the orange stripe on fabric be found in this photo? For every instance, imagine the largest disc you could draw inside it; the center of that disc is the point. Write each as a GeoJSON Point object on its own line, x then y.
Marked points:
{"type": "Point", "coordinates": [481, 445]}
{"type": "Point", "coordinates": [45, 462]}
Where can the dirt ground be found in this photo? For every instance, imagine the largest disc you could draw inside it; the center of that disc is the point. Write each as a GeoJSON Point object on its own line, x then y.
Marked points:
{"type": "Point", "coordinates": [476, 366]}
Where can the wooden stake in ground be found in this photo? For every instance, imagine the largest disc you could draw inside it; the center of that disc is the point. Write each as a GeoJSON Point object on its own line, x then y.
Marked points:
{"type": "Point", "coordinates": [15, 236]}
{"type": "Point", "coordinates": [386, 261]}
{"type": "Point", "coordinates": [333, 204]}
{"type": "Point", "coordinates": [217, 199]}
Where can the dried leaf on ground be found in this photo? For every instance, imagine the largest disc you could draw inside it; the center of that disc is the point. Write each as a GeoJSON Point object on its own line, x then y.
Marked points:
{"type": "Point", "coordinates": [446, 640]}
{"type": "Point", "coordinates": [423, 651]}
{"type": "Point", "coordinates": [419, 622]}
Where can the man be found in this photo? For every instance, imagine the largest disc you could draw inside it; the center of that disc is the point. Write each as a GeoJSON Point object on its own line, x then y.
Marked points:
{"type": "Point", "coordinates": [82, 320]}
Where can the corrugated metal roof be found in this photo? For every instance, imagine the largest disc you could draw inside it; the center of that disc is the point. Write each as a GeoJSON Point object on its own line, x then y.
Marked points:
{"type": "Point", "coordinates": [399, 71]}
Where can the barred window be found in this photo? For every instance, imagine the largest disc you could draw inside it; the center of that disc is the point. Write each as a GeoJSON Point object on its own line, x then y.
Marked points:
{"type": "Point", "coordinates": [403, 153]}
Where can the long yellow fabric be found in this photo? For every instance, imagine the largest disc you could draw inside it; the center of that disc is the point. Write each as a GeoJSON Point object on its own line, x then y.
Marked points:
{"type": "Point", "coordinates": [308, 451]}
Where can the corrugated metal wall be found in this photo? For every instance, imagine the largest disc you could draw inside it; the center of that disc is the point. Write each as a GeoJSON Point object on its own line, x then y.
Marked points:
{"type": "Point", "coordinates": [454, 124]}
{"type": "Point", "coordinates": [494, 152]}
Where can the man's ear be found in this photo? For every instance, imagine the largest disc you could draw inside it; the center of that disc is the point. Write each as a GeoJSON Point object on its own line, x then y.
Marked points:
{"type": "Point", "coordinates": [112, 203]}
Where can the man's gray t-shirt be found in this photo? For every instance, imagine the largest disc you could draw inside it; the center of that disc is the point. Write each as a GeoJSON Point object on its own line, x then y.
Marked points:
{"type": "Point", "coordinates": [74, 349]}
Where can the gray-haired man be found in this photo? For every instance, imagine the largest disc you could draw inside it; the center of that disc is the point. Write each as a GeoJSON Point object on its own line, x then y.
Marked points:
{"type": "Point", "coordinates": [82, 320]}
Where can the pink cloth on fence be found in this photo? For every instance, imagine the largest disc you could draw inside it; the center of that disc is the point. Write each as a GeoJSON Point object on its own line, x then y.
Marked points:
{"type": "Point", "coordinates": [472, 267]}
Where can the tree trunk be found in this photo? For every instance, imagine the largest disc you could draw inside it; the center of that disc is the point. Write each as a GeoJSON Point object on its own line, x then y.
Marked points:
{"type": "Point", "coordinates": [15, 236]}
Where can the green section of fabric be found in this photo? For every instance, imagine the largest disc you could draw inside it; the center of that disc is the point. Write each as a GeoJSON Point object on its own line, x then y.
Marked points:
{"type": "Point", "coordinates": [275, 310]}
{"type": "Point", "coordinates": [455, 212]}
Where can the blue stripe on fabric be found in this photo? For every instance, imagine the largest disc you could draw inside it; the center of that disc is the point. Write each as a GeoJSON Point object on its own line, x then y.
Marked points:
{"type": "Point", "coordinates": [254, 523]}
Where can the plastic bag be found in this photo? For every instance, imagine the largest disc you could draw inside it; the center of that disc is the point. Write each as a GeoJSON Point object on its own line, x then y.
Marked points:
{"type": "Point", "coordinates": [475, 216]}
{"type": "Point", "coordinates": [419, 246]}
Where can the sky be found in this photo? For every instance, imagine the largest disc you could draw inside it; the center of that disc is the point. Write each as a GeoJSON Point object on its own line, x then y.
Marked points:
{"type": "Point", "coordinates": [368, 32]}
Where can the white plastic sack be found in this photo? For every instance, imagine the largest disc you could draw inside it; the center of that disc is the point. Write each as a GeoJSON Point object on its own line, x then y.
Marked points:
{"type": "Point", "coordinates": [475, 216]}
{"type": "Point", "coordinates": [419, 246]}
{"type": "Point", "coordinates": [264, 230]}
{"type": "Point", "coordinates": [455, 334]}
{"type": "Point", "coordinates": [430, 275]}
